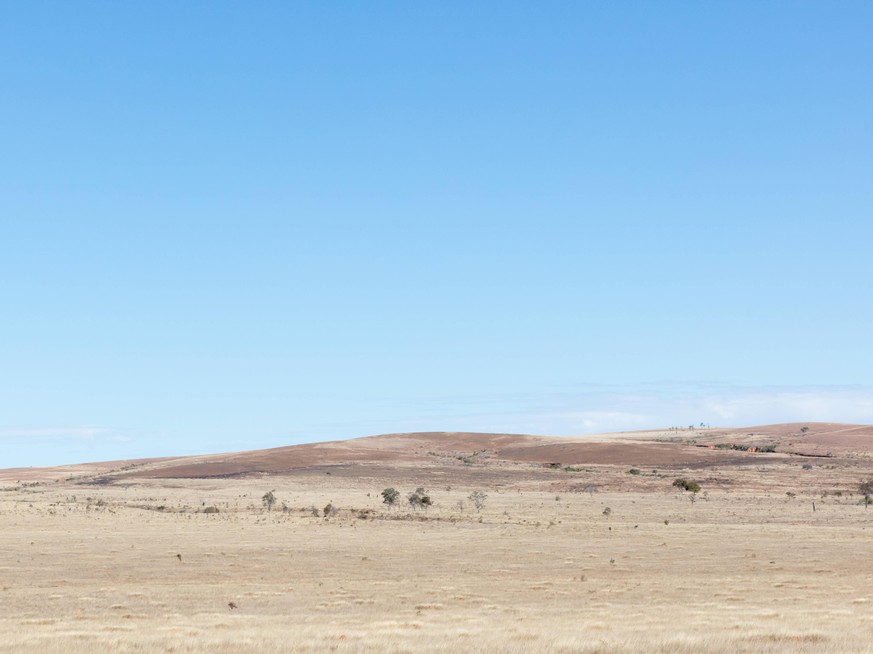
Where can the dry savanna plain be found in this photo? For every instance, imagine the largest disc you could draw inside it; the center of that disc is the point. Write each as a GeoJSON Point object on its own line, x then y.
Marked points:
{"type": "Point", "coordinates": [580, 545]}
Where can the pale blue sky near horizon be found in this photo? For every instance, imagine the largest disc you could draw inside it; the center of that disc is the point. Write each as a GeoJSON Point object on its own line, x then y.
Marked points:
{"type": "Point", "coordinates": [230, 226]}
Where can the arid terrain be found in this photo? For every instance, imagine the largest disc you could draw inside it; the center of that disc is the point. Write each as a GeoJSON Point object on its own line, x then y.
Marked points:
{"type": "Point", "coordinates": [580, 545]}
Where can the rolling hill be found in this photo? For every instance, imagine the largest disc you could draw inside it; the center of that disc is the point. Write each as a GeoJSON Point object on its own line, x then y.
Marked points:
{"type": "Point", "coordinates": [661, 448]}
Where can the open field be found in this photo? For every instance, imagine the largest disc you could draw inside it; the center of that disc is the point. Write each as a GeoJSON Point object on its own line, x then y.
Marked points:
{"type": "Point", "coordinates": [123, 558]}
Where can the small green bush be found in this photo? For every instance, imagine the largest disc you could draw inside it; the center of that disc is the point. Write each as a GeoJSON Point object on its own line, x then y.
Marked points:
{"type": "Point", "coordinates": [684, 484]}
{"type": "Point", "coordinates": [633, 471]}
{"type": "Point", "coordinates": [390, 496]}
{"type": "Point", "coordinates": [211, 509]}
{"type": "Point", "coordinates": [419, 499]}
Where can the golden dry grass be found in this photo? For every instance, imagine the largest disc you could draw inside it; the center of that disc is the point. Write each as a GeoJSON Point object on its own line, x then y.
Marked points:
{"type": "Point", "coordinates": [746, 569]}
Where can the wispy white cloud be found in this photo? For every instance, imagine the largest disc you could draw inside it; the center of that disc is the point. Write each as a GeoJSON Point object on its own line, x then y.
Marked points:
{"type": "Point", "coordinates": [612, 420]}
{"type": "Point", "coordinates": [728, 406]}
{"type": "Point", "coordinates": [851, 404]}
{"type": "Point", "coordinates": [57, 445]}
{"type": "Point", "coordinates": [594, 409]}
{"type": "Point", "coordinates": [59, 433]}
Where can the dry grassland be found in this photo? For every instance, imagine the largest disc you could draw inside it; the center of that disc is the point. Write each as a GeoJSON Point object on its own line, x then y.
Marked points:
{"type": "Point", "coordinates": [747, 568]}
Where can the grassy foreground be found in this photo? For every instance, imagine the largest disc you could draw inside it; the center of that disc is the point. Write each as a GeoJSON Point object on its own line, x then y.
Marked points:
{"type": "Point", "coordinates": [141, 568]}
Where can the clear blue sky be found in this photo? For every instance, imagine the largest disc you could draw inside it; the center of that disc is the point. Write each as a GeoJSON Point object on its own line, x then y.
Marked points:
{"type": "Point", "coordinates": [229, 225]}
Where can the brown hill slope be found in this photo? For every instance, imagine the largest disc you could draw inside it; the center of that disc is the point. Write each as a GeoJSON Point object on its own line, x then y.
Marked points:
{"type": "Point", "coordinates": [693, 447]}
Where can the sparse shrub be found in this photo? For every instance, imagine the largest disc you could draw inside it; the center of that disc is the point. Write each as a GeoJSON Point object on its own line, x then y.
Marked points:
{"type": "Point", "coordinates": [211, 509]}
{"type": "Point", "coordinates": [478, 499]}
{"type": "Point", "coordinates": [684, 484]}
{"type": "Point", "coordinates": [268, 500]}
{"type": "Point", "coordinates": [330, 510]}
{"type": "Point", "coordinates": [866, 489]}
{"type": "Point", "coordinates": [390, 496]}
{"type": "Point", "coordinates": [314, 511]}
{"type": "Point", "coordinates": [633, 471]}
{"type": "Point", "coordinates": [607, 512]}
{"type": "Point", "coordinates": [419, 499]}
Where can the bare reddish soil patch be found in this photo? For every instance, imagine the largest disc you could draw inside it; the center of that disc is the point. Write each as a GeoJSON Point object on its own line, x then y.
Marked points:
{"type": "Point", "coordinates": [647, 454]}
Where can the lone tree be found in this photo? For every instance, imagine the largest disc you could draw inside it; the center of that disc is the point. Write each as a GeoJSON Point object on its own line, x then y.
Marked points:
{"type": "Point", "coordinates": [269, 500]}
{"type": "Point", "coordinates": [866, 489]}
{"type": "Point", "coordinates": [478, 499]}
{"type": "Point", "coordinates": [390, 497]}
{"type": "Point", "coordinates": [419, 499]}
